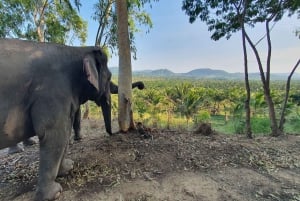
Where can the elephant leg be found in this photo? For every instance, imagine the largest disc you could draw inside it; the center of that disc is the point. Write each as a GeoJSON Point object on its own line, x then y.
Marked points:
{"type": "Point", "coordinates": [54, 131]}
{"type": "Point", "coordinates": [28, 142]}
{"type": "Point", "coordinates": [66, 165]}
{"type": "Point", "coordinates": [18, 149]}
{"type": "Point", "coordinates": [15, 149]}
{"type": "Point", "coordinates": [52, 149]}
{"type": "Point", "coordinates": [76, 125]}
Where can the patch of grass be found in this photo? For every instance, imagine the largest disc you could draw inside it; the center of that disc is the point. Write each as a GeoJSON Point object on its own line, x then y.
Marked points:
{"type": "Point", "coordinates": [260, 125]}
{"type": "Point", "coordinates": [219, 124]}
{"type": "Point", "coordinates": [292, 126]}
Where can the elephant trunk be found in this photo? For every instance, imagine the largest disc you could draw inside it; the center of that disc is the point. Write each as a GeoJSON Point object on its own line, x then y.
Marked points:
{"type": "Point", "coordinates": [105, 104]}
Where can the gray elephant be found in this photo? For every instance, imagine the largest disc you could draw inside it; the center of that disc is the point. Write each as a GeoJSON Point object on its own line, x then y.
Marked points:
{"type": "Point", "coordinates": [113, 90]}
{"type": "Point", "coordinates": [41, 88]}
{"type": "Point", "coordinates": [76, 125]}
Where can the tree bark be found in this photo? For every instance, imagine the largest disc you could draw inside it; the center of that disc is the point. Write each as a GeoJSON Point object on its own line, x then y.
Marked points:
{"type": "Point", "coordinates": [247, 86]}
{"type": "Point", "coordinates": [274, 125]}
{"type": "Point", "coordinates": [288, 83]}
{"type": "Point", "coordinates": [39, 21]}
{"type": "Point", "coordinates": [125, 73]}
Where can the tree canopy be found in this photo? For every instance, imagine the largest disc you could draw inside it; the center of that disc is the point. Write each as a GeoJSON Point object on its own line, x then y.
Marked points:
{"type": "Point", "coordinates": [105, 14]}
{"type": "Point", "coordinates": [45, 20]}
{"type": "Point", "coordinates": [222, 17]}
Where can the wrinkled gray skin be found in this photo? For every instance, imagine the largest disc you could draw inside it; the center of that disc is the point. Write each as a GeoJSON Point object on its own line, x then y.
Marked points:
{"type": "Point", "coordinates": [76, 125]}
{"type": "Point", "coordinates": [113, 90]}
{"type": "Point", "coordinates": [41, 88]}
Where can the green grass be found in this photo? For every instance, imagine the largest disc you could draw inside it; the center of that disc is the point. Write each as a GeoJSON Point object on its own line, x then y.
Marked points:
{"type": "Point", "coordinates": [259, 125]}
{"type": "Point", "coordinates": [292, 126]}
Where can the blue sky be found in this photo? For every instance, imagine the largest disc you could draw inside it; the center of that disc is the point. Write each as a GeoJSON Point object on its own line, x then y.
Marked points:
{"type": "Point", "coordinates": [175, 44]}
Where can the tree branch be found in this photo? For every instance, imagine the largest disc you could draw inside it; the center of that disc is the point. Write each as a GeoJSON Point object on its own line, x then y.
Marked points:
{"type": "Point", "coordinates": [261, 70]}
{"type": "Point", "coordinates": [269, 53]}
{"type": "Point", "coordinates": [265, 34]}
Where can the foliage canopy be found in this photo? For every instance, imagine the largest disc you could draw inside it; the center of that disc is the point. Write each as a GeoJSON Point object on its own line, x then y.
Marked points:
{"type": "Point", "coordinates": [224, 17]}
{"type": "Point", "coordinates": [44, 20]}
{"type": "Point", "coordinates": [105, 14]}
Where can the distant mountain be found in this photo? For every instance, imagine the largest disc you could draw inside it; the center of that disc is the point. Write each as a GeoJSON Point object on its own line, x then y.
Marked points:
{"type": "Point", "coordinates": [156, 73]}
{"type": "Point", "coordinates": [208, 73]}
{"type": "Point", "coordinates": [205, 73]}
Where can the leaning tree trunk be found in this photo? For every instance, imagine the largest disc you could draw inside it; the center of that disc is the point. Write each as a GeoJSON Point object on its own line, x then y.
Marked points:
{"type": "Point", "coordinates": [125, 74]}
{"type": "Point", "coordinates": [288, 83]}
{"type": "Point", "coordinates": [274, 125]}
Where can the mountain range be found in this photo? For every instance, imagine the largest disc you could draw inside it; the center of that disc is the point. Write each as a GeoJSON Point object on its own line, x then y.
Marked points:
{"type": "Point", "coordinates": [205, 73]}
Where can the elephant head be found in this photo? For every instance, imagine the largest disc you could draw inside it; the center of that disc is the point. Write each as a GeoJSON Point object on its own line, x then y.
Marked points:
{"type": "Point", "coordinates": [98, 76]}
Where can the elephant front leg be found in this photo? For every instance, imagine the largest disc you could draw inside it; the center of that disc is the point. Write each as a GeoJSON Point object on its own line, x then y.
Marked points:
{"type": "Point", "coordinates": [76, 125]}
{"type": "Point", "coordinates": [66, 166]}
{"type": "Point", "coordinates": [53, 145]}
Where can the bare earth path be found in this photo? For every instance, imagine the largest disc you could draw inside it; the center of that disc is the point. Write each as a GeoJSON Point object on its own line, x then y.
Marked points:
{"type": "Point", "coordinates": [169, 166]}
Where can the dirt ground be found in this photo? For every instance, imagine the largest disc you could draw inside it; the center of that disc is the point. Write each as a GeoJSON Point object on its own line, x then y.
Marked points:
{"type": "Point", "coordinates": [166, 166]}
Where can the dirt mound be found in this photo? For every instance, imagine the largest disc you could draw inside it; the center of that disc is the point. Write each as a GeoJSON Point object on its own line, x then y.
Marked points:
{"type": "Point", "coordinates": [204, 129]}
{"type": "Point", "coordinates": [169, 165]}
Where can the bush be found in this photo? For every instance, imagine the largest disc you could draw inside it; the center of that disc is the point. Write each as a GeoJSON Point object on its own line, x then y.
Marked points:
{"type": "Point", "coordinates": [203, 116]}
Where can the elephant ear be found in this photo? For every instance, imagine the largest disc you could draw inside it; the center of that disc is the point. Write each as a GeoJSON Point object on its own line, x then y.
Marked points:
{"type": "Point", "coordinates": [90, 70]}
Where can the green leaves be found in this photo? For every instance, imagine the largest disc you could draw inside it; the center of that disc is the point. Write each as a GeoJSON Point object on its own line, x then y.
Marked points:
{"type": "Point", "coordinates": [11, 15]}
{"type": "Point", "coordinates": [138, 20]}
{"type": "Point", "coordinates": [53, 21]}
{"type": "Point", "coordinates": [225, 17]}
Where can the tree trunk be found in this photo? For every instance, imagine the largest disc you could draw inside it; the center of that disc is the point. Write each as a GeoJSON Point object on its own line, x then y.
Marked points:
{"type": "Point", "coordinates": [265, 79]}
{"type": "Point", "coordinates": [125, 74]}
{"type": "Point", "coordinates": [102, 25]}
{"type": "Point", "coordinates": [275, 132]}
{"type": "Point", "coordinates": [39, 15]}
{"type": "Point", "coordinates": [247, 86]}
{"type": "Point", "coordinates": [274, 125]}
{"type": "Point", "coordinates": [282, 118]}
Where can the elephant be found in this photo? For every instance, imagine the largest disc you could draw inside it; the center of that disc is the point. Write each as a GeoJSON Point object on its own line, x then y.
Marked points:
{"type": "Point", "coordinates": [76, 125]}
{"type": "Point", "coordinates": [42, 86]}
{"type": "Point", "coordinates": [113, 90]}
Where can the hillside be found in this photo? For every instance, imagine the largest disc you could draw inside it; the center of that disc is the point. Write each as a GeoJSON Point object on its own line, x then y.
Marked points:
{"type": "Point", "coordinates": [205, 73]}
